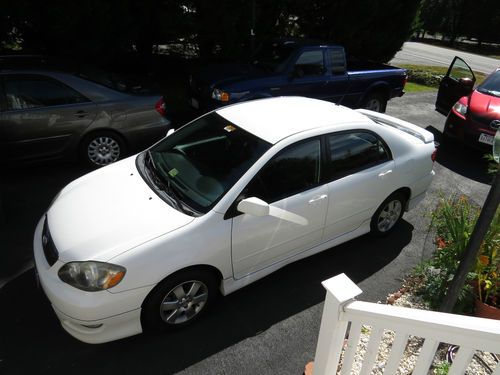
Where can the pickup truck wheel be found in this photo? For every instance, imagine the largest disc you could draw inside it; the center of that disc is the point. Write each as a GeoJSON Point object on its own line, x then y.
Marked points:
{"type": "Point", "coordinates": [375, 102]}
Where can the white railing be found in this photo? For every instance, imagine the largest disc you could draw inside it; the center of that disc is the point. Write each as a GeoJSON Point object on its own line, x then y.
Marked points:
{"type": "Point", "coordinates": [336, 353]}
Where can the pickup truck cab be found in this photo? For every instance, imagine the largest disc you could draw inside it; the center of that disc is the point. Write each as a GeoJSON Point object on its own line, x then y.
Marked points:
{"type": "Point", "coordinates": [297, 67]}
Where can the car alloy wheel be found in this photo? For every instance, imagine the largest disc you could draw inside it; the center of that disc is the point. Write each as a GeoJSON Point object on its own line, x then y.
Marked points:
{"type": "Point", "coordinates": [388, 214]}
{"type": "Point", "coordinates": [184, 302]}
{"type": "Point", "coordinates": [103, 150]}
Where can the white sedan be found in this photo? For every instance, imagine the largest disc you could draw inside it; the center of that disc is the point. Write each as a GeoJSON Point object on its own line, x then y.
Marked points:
{"type": "Point", "coordinates": [148, 242]}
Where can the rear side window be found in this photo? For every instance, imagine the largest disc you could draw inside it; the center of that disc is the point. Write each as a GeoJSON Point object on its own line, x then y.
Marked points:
{"type": "Point", "coordinates": [337, 58]}
{"type": "Point", "coordinates": [354, 151]}
{"type": "Point", "coordinates": [25, 92]}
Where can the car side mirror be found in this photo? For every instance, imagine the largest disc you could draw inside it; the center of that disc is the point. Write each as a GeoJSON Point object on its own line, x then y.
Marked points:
{"type": "Point", "coordinates": [297, 73]}
{"type": "Point", "coordinates": [253, 206]}
{"type": "Point", "coordinates": [466, 83]}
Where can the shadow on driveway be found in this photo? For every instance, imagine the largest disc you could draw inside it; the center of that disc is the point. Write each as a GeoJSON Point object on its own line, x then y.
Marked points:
{"type": "Point", "coordinates": [32, 340]}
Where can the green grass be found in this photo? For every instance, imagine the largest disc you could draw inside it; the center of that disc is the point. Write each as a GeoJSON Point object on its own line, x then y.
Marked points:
{"type": "Point", "coordinates": [415, 87]}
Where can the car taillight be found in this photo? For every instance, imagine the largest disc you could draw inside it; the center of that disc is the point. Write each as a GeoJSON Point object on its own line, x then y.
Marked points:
{"type": "Point", "coordinates": [405, 80]}
{"type": "Point", "coordinates": [434, 155]}
{"type": "Point", "coordinates": [161, 107]}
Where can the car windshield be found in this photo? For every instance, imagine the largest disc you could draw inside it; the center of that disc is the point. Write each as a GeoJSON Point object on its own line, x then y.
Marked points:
{"type": "Point", "coordinates": [273, 56]}
{"type": "Point", "coordinates": [491, 85]}
{"type": "Point", "coordinates": [203, 160]}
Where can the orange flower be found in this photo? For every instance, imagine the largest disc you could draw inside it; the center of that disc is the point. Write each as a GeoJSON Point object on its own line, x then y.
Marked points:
{"type": "Point", "coordinates": [484, 260]}
{"type": "Point", "coordinates": [441, 244]}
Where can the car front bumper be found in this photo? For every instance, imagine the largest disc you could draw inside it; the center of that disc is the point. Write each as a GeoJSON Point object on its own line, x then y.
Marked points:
{"type": "Point", "coordinates": [467, 131]}
{"type": "Point", "coordinates": [91, 317]}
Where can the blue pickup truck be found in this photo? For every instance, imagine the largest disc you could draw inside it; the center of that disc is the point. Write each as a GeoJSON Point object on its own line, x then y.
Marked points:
{"type": "Point", "coordinates": [295, 67]}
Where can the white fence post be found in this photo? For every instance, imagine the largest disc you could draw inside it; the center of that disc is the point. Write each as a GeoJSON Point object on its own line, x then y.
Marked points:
{"type": "Point", "coordinates": [339, 291]}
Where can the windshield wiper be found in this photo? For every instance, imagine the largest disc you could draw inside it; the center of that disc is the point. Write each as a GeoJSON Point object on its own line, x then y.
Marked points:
{"type": "Point", "coordinates": [162, 181]}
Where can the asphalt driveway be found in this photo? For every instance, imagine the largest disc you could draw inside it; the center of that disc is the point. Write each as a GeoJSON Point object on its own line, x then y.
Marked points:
{"type": "Point", "coordinates": [269, 327]}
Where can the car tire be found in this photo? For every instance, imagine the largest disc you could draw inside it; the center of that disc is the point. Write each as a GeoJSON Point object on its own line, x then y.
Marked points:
{"type": "Point", "coordinates": [375, 102]}
{"type": "Point", "coordinates": [179, 300]}
{"type": "Point", "coordinates": [388, 214]}
{"type": "Point", "coordinates": [102, 148]}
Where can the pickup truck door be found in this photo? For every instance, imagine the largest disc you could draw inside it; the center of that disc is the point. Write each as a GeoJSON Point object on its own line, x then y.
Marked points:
{"type": "Point", "coordinates": [458, 81]}
{"type": "Point", "coordinates": [309, 76]}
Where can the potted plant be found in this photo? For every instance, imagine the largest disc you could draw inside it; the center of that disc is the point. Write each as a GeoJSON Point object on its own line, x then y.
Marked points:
{"type": "Point", "coordinates": [487, 273]}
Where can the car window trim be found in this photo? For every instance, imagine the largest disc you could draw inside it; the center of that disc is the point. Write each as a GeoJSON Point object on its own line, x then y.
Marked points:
{"type": "Point", "coordinates": [329, 178]}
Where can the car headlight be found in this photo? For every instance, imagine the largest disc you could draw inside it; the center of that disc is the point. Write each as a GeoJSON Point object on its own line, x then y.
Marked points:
{"type": "Point", "coordinates": [460, 108]}
{"type": "Point", "coordinates": [91, 276]}
{"type": "Point", "coordinates": [220, 95]}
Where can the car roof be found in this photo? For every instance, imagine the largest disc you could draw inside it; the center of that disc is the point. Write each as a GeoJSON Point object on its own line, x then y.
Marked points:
{"type": "Point", "coordinates": [274, 119]}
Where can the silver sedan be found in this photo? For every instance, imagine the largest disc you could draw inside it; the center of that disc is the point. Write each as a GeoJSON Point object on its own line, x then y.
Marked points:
{"type": "Point", "coordinates": [51, 114]}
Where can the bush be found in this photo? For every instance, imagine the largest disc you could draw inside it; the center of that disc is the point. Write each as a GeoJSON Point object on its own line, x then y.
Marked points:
{"type": "Point", "coordinates": [424, 77]}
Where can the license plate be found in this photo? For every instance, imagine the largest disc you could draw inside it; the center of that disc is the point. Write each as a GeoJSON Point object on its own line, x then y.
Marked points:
{"type": "Point", "coordinates": [486, 138]}
{"type": "Point", "coordinates": [194, 103]}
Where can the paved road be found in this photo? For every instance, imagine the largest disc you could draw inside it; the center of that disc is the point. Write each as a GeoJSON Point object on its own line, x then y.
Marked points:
{"type": "Point", "coordinates": [269, 327]}
{"type": "Point", "coordinates": [426, 54]}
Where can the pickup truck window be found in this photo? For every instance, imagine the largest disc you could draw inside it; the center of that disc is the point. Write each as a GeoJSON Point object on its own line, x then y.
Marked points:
{"type": "Point", "coordinates": [337, 60]}
{"type": "Point", "coordinates": [310, 63]}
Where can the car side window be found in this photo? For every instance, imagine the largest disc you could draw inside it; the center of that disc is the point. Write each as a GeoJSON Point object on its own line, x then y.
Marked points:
{"type": "Point", "coordinates": [354, 151]}
{"type": "Point", "coordinates": [25, 92]}
{"type": "Point", "coordinates": [337, 58]}
{"type": "Point", "coordinates": [293, 170]}
{"type": "Point", "coordinates": [310, 63]}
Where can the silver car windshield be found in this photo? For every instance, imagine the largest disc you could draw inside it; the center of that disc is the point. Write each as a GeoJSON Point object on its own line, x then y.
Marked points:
{"type": "Point", "coordinates": [203, 160]}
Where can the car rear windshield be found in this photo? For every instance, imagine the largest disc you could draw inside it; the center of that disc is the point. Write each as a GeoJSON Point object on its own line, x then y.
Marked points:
{"type": "Point", "coordinates": [491, 85]}
{"type": "Point", "coordinates": [204, 159]}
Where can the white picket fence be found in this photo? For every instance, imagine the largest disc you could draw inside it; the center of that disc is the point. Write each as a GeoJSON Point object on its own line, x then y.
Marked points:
{"type": "Point", "coordinates": [340, 309]}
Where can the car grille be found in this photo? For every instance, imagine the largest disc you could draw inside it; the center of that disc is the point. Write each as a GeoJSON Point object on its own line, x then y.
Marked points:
{"type": "Point", "coordinates": [49, 249]}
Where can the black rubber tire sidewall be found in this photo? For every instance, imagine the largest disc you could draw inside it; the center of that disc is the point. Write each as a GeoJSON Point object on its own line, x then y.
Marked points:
{"type": "Point", "coordinates": [150, 315]}
{"type": "Point", "coordinates": [374, 222]}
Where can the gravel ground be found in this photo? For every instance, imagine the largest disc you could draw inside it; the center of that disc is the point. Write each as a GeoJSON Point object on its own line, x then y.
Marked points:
{"type": "Point", "coordinates": [406, 297]}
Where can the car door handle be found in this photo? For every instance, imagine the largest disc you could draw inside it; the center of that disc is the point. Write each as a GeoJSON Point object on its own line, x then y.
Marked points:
{"type": "Point", "coordinates": [383, 174]}
{"type": "Point", "coordinates": [318, 198]}
{"type": "Point", "coordinates": [81, 114]}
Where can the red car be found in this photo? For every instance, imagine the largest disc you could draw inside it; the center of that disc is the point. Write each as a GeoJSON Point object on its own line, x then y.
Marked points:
{"type": "Point", "coordinates": [473, 114]}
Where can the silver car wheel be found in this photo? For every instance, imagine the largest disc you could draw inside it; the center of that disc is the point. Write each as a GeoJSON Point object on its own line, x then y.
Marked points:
{"type": "Point", "coordinates": [184, 302]}
{"type": "Point", "coordinates": [373, 104]}
{"type": "Point", "coordinates": [103, 150]}
{"type": "Point", "coordinates": [389, 215]}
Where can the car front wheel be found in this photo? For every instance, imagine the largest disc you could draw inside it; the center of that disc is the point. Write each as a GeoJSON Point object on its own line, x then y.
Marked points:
{"type": "Point", "coordinates": [178, 301]}
{"type": "Point", "coordinates": [388, 214]}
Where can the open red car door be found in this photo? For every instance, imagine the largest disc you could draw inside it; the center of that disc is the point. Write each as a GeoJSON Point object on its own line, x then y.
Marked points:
{"type": "Point", "coordinates": [458, 81]}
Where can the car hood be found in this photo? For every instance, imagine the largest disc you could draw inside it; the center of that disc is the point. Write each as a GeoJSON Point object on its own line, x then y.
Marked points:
{"type": "Point", "coordinates": [107, 212]}
{"type": "Point", "coordinates": [485, 105]}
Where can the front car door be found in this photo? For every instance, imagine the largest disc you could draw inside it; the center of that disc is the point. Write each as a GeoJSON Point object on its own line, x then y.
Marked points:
{"type": "Point", "coordinates": [291, 181]}
{"type": "Point", "coordinates": [360, 170]}
{"type": "Point", "coordinates": [458, 81]}
{"type": "Point", "coordinates": [40, 116]}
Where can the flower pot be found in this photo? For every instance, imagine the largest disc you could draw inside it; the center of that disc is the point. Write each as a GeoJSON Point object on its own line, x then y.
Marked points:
{"type": "Point", "coordinates": [483, 310]}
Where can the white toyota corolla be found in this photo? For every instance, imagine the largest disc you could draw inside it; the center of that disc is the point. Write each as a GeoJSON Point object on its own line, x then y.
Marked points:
{"type": "Point", "coordinates": [148, 242]}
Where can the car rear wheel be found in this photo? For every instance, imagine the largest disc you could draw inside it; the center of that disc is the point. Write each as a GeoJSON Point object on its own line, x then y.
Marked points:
{"type": "Point", "coordinates": [102, 148]}
{"type": "Point", "coordinates": [179, 300]}
{"type": "Point", "coordinates": [388, 214]}
{"type": "Point", "coordinates": [375, 102]}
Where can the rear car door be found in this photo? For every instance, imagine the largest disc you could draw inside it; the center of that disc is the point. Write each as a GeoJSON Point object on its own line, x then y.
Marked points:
{"type": "Point", "coordinates": [360, 170]}
{"type": "Point", "coordinates": [41, 116]}
{"type": "Point", "coordinates": [291, 181]}
{"type": "Point", "coordinates": [458, 81]}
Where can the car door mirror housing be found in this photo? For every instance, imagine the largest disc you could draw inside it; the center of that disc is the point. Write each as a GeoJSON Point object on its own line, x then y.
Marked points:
{"type": "Point", "coordinates": [253, 206]}
{"type": "Point", "coordinates": [466, 82]}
